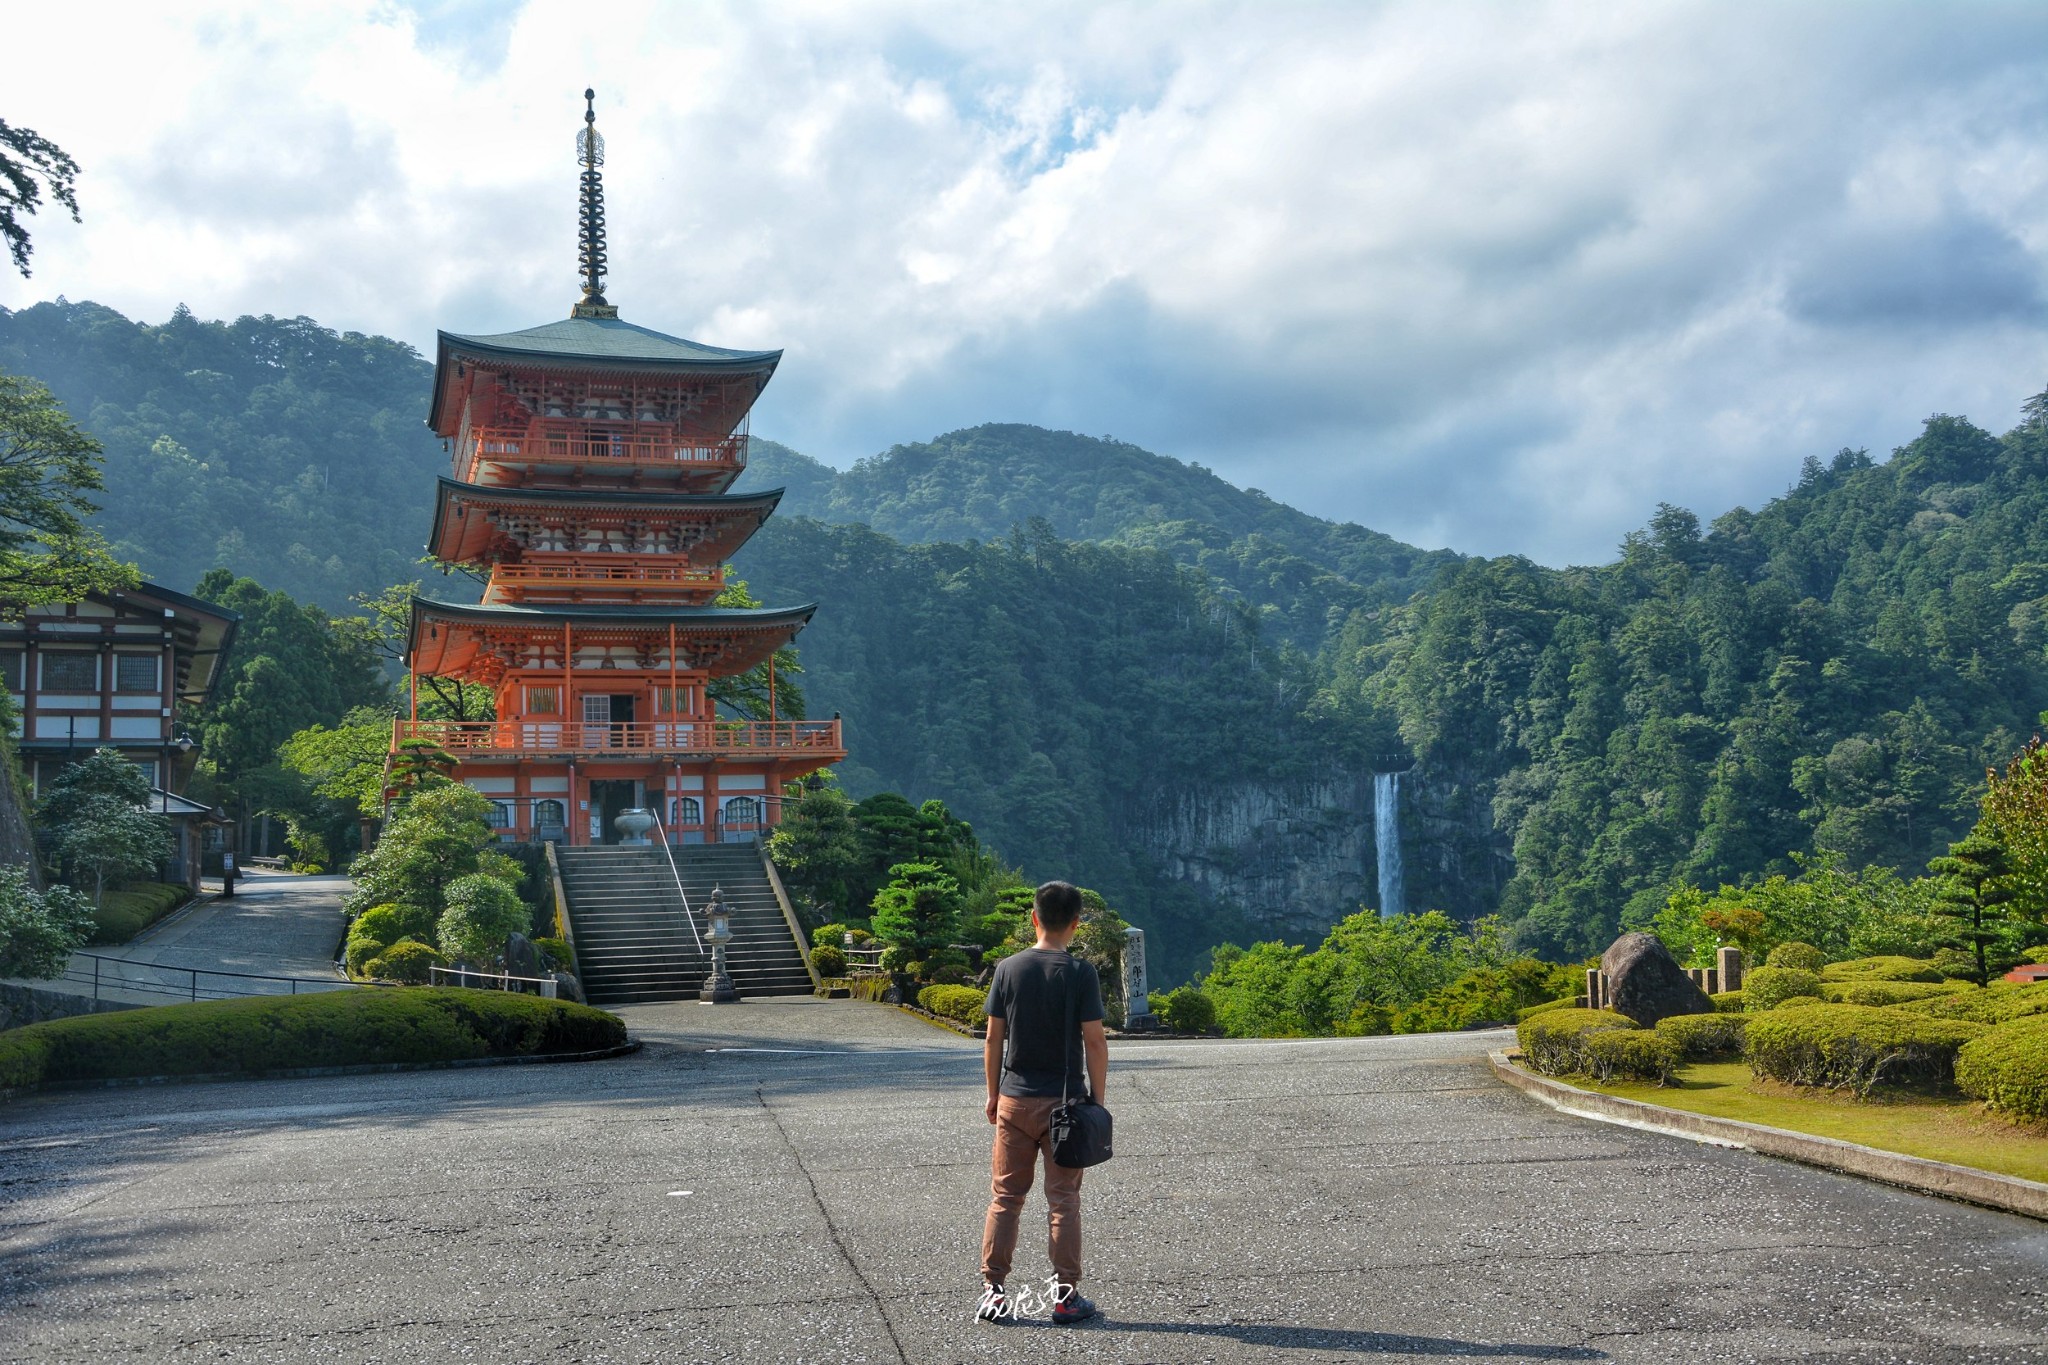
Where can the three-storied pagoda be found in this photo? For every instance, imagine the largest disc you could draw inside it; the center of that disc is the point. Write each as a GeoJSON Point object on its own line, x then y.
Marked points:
{"type": "Point", "coordinates": [591, 463]}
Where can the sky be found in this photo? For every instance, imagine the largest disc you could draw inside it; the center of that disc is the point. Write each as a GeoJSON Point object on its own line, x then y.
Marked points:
{"type": "Point", "coordinates": [1501, 277]}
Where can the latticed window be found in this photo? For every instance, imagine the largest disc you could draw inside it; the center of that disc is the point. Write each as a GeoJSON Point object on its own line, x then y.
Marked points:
{"type": "Point", "coordinates": [543, 701]}
{"type": "Point", "coordinates": [71, 672]}
{"type": "Point", "coordinates": [137, 672]}
{"type": "Point", "coordinates": [11, 670]}
{"type": "Point", "coordinates": [686, 810]}
{"type": "Point", "coordinates": [550, 814]}
{"type": "Point", "coordinates": [674, 701]}
{"type": "Point", "coordinates": [500, 816]}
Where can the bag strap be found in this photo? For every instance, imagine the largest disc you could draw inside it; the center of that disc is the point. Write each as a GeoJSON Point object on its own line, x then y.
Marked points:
{"type": "Point", "coordinates": [1067, 1035]}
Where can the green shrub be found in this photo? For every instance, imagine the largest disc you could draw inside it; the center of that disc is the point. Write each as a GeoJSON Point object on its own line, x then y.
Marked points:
{"type": "Point", "coordinates": [1855, 1047]}
{"type": "Point", "coordinates": [946, 974]}
{"type": "Point", "coordinates": [1727, 1002]}
{"type": "Point", "coordinates": [1800, 957]}
{"type": "Point", "coordinates": [829, 960]}
{"type": "Point", "coordinates": [1998, 1003]}
{"type": "Point", "coordinates": [123, 914]}
{"type": "Point", "coordinates": [357, 953]}
{"type": "Point", "coordinates": [2007, 1068]}
{"type": "Point", "coordinates": [1185, 1009]}
{"type": "Point", "coordinates": [1635, 1054]}
{"type": "Point", "coordinates": [1703, 1037]}
{"type": "Point", "coordinates": [895, 959]}
{"type": "Point", "coordinates": [961, 1003]}
{"type": "Point", "coordinates": [392, 922]}
{"type": "Point", "coordinates": [1882, 992]}
{"type": "Point", "coordinates": [1555, 1043]}
{"type": "Point", "coordinates": [1570, 1002]}
{"type": "Point", "coordinates": [1800, 1000]}
{"type": "Point", "coordinates": [2035, 954]}
{"type": "Point", "coordinates": [407, 960]}
{"type": "Point", "coordinates": [483, 911]}
{"type": "Point", "coordinates": [559, 951]}
{"type": "Point", "coordinates": [1766, 988]}
{"type": "Point", "coordinates": [281, 1032]}
{"type": "Point", "coordinates": [1880, 969]}
{"type": "Point", "coordinates": [829, 936]}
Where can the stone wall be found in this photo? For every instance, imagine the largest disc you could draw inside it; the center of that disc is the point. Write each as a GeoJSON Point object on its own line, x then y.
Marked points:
{"type": "Point", "coordinates": [17, 843]}
{"type": "Point", "coordinates": [23, 1005]}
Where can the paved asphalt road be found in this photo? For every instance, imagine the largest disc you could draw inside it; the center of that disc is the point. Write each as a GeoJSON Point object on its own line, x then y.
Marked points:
{"type": "Point", "coordinates": [1378, 1199]}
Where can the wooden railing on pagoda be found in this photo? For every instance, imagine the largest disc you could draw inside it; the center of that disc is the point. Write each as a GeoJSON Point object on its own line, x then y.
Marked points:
{"type": "Point", "coordinates": [516, 582]}
{"type": "Point", "coordinates": [515, 737]}
{"type": "Point", "coordinates": [599, 443]}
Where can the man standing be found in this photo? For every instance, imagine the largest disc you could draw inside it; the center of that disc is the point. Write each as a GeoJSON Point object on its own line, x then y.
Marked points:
{"type": "Point", "coordinates": [1044, 1019]}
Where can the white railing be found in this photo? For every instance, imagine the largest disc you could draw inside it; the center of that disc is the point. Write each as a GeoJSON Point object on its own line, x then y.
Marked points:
{"type": "Point", "coordinates": [681, 895]}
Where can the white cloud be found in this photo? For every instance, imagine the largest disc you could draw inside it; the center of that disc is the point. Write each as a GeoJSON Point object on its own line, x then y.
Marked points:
{"type": "Point", "coordinates": [1502, 276]}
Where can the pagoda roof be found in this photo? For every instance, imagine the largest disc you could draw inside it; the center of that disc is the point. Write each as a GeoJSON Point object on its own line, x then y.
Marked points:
{"type": "Point", "coordinates": [595, 344]}
{"type": "Point", "coordinates": [741, 514]}
{"type": "Point", "coordinates": [726, 639]}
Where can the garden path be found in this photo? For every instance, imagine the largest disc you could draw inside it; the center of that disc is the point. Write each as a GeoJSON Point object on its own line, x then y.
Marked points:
{"type": "Point", "coordinates": [276, 924]}
{"type": "Point", "coordinates": [800, 1180]}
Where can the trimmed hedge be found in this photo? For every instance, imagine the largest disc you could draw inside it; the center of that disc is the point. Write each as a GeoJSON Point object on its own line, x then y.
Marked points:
{"type": "Point", "coordinates": [1766, 988]}
{"type": "Point", "coordinates": [1703, 1037]}
{"type": "Point", "coordinates": [1880, 969]}
{"type": "Point", "coordinates": [1556, 1043]}
{"type": "Point", "coordinates": [283, 1032]}
{"type": "Point", "coordinates": [1727, 1002]}
{"type": "Point", "coordinates": [123, 914]}
{"type": "Point", "coordinates": [408, 961]}
{"type": "Point", "coordinates": [1635, 1054]}
{"type": "Point", "coordinates": [559, 952]}
{"type": "Point", "coordinates": [828, 959]}
{"type": "Point", "coordinates": [1570, 1002]}
{"type": "Point", "coordinates": [959, 1003]}
{"type": "Point", "coordinates": [1185, 1009]}
{"type": "Point", "coordinates": [1883, 992]}
{"type": "Point", "coordinates": [1855, 1047]}
{"type": "Point", "coordinates": [1999, 1003]}
{"type": "Point", "coordinates": [2007, 1068]}
{"type": "Point", "coordinates": [1800, 957]}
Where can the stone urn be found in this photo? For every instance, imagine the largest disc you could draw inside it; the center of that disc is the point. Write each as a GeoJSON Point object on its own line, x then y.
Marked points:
{"type": "Point", "coordinates": [633, 824]}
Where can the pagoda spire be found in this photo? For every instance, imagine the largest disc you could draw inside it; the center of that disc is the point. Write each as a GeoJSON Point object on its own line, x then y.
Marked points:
{"type": "Point", "coordinates": [590, 217]}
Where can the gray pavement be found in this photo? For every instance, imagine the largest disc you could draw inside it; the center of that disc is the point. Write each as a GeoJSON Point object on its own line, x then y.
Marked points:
{"type": "Point", "coordinates": [812, 1190]}
{"type": "Point", "coordinates": [276, 924]}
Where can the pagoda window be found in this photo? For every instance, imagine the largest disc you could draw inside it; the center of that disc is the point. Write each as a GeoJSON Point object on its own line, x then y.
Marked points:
{"type": "Point", "coordinates": [743, 812]}
{"type": "Point", "coordinates": [675, 701]}
{"type": "Point", "coordinates": [684, 811]}
{"type": "Point", "coordinates": [138, 672]}
{"type": "Point", "coordinates": [11, 668]}
{"type": "Point", "coordinates": [543, 701]}
{"type": "Point", "coordinates": [550, 815]}
{"type": "Point", "coordinates": [500, 816]}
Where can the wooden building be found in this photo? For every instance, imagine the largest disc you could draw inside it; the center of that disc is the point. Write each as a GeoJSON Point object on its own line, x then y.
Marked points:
{"type": "Point", "coordinates": [591, 463]}
{"type": "Point", "coordinates": [117, 670]}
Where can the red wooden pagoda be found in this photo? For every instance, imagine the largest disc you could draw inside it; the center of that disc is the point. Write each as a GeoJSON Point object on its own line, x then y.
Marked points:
{"type": "Point", "coordinates": [591, 463]}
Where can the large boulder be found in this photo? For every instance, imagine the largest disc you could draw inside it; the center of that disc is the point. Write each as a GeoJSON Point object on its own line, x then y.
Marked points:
{"type": "Point", "coordinates": [522, 958]}
{"type": "Point", "coordinates": [1646, 983]}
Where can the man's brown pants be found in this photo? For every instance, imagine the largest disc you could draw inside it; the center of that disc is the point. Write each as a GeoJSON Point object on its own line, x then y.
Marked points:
{"type": "Point", "coordinates": [1023, 1132]}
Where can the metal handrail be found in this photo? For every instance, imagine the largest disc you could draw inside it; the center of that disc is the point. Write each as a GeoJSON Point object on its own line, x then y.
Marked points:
{"type": "Point", "coordinates": [681, 895]}
{"type": "Point", "coordinates": [189, 988]}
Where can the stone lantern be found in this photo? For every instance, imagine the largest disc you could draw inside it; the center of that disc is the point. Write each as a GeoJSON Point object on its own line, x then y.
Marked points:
{"type": "Point", "coordinates": [718, 988]}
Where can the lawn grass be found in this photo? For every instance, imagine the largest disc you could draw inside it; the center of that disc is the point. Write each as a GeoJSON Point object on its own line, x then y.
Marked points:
{"type": "Point", "coordinates": [1949, 1129]}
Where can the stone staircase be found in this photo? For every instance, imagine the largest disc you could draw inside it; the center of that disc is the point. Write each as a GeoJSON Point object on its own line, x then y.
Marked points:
{"type": "Point", "coordinates": [633, 944]}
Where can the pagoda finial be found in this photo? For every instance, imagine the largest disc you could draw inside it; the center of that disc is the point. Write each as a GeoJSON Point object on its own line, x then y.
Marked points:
{"type": "Point", "coordinates": [590, 228]}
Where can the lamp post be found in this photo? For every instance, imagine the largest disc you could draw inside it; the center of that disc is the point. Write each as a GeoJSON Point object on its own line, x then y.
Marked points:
{"type": "Point", "coordinates": [718, 988]}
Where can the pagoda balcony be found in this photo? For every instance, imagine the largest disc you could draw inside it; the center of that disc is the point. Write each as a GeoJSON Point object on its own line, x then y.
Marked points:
{"type": "Point", "coordinates": [582, 445]}
{"type": "Point", "coordinates": [811, 739]}
{"type": "Point", "coordinates": [628, 582]}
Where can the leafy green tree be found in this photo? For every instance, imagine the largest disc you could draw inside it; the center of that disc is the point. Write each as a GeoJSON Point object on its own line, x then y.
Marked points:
{"type": "Point", "coordinates": [1974, 895]}
{"type": "Point", "coordinates": [482, 913]}
{"type": "Point", "coordinates": [48, 469]}
{"type": "Point", "coordinates": [39, 930]}
{"type": "Point", "coordinates": [749, 695]}
{"type": "Point", "coordinates": [30, 164]}
{"type": "Point", "coordinates": [95, 822]}
{"type": "Point", "coordinates": [438, 836]}
{"type": "Point", "coordinates": [345, 764]}
{"type": "Point", "coordinates": [919, 910]}
{"type": "Point", "coordinates": [817, 849]}
{"type": "Point", "coordinates": [2015, 813]}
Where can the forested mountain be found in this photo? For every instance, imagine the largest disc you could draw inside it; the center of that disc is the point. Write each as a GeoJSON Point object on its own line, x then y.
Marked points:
{"type": "Point", "coordinates": [1828, 675]}
{"type": "Point", "coordinates": [1832, 674]}
{"type": "Point", "coordinates": [271, 447]}
{"type": "Point", "coordinates": [1304, 573]}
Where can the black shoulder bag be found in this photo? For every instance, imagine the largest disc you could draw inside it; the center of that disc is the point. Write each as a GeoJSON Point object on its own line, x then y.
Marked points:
{"type": "Point", "coordinates": [1080, 1128]}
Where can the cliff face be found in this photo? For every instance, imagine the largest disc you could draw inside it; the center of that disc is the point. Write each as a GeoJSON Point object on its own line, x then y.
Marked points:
{"type": "Point", "coordinates": [17, 841]}
{"type": "Point", "coordinates": [1293, 856]}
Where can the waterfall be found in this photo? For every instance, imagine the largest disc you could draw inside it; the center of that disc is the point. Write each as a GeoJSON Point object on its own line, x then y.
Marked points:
{"type": "Point", "coordinates": [1386, 834]}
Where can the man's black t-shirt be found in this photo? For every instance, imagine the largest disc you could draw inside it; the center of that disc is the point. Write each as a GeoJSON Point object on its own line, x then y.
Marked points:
{"type": "Point", "coordinates": [1029, 993]}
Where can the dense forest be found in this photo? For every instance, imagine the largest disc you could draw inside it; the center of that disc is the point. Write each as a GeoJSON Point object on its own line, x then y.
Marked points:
{"type": "Point", "coordinates": [1061, 636]}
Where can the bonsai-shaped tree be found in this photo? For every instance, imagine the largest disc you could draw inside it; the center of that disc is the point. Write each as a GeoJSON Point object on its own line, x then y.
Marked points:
{"type": "Point", "coordinates": [817, 848]}
{"type": "Point", "coordinates": [1973, 892]}
{"type": "Point", "coordinates": [919, 910]}
{"type": "Point", "coordinates": [96, 824]}
{"type": "Point", "coordinates": [482, 913]}
{"type": "Point", "coordinates": [439, 834]}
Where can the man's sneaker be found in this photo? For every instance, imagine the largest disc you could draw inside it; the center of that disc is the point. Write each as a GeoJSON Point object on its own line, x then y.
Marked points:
{"type": "Point", "coordinates": [994, 1305]}
{"type": "Point", "coordinates": [1071, 1307]}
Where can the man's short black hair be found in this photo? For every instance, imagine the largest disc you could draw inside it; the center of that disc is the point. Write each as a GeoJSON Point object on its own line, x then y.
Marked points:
{"type": "Point", "coordinates": [1058, 905]}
